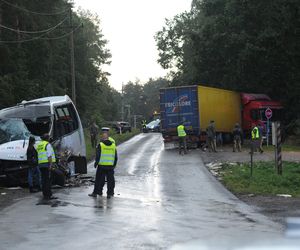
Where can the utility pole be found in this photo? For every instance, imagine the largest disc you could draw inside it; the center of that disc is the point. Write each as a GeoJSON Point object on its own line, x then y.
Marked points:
{"type": "Point", "coordinates": [72, 59]}
{"type": "Point", "coordinates": [122, 102]}
{"type": "Point", "coordinates": [0, 19]}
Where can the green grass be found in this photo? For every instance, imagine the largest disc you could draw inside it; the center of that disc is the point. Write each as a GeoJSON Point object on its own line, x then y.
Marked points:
{"type": "Point", "coordinates": [90, 152]}
{"type": "Point", "coordinates": [264, 181]}
{"type": "Point", "coordinates": [285, 148]}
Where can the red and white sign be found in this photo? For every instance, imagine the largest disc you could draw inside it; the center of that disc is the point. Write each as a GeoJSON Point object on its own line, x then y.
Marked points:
{"type": "Point", "coordinates": [268, 113]}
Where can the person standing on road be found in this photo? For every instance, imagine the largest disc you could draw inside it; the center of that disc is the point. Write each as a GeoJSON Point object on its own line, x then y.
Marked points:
{"type": "Point", "coordinates": [237, 138]}
{"type": "Point", "coordinates": [94, 130]}
{"type": "Point", "coordinates": [211, 137]}
{"type": "Point", "coordinates": [106, 130]}
{"type": "Point", "coordinates": [34, 173]}
{"type": "Point", "coordinates": [144, 124]}
{"type": "Point", "coordinates": [182, 138]}
{"type": "Point", "coordinates": [105, 162]}
{"type": "Point", "coordinates": [255, 138]}
{"type": "Point", "coordinates": [261, 138]}
{"type": "Point", "coordinates": [46, 157]}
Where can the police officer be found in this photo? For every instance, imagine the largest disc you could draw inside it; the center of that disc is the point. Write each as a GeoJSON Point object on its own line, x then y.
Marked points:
{"type": "Point", "coordinates": [46, 157]}
{"type": "Point", "coordinates": [105, 162]}
{"type": "Point", "coordinates": [181, 137]}
{"type": "Point", "coordinates": [144, 124]}
{"type": "Point", "coordinates": [106, 130]}
{"type": "Point", "coordinates": [255, 138]}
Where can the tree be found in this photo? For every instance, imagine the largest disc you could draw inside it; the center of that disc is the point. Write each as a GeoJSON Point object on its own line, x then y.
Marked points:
{"type": "Point", "coordinates": [250, 46]}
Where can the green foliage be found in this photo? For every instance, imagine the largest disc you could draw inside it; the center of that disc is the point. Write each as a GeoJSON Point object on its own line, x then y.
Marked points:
{"type": "Point", "coordinates": [248, 46]}
{"type": "Point", "coordinates": [90, 151]}
{"type": "Point", "coordinates": [42, 67]}
{"type": "Point", "coordinates": [264, 180]}
{"type": "Point", "coordinates": [143, 99]}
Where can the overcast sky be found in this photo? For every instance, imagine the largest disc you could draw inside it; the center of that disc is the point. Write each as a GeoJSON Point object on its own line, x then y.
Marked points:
{"type": "Point", "coordinates": [130, 26]}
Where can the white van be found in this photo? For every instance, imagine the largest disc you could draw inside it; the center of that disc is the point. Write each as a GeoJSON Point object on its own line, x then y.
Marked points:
{"type": "Point", "coordinates": [55, 115]}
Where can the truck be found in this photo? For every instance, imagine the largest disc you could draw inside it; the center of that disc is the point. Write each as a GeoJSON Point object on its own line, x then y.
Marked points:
{"type": "Point", "coordinates": [54, 115]}
{"type": "Point", "coordinates": [195, 106]}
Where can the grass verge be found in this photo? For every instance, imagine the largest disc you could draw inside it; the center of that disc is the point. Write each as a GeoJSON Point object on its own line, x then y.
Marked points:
{"type": "Point", "coordinates": [90, 151]}
{"type": "Point", "coordinates": [264, 181]}
{"type": "Point", "coordinates": [285, 148]}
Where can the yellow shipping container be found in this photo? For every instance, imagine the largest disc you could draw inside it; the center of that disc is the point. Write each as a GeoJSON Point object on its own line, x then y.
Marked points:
{"type": "Point", "coordinates": [222, 106]}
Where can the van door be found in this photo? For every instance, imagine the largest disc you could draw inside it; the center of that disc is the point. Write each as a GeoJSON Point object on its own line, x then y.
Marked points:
{"type": "Point", "coordinates": [67, 133]}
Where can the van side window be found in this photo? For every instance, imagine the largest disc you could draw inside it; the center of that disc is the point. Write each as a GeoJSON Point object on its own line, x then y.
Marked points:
{"type": "Point", "coordinates": [66, 120]}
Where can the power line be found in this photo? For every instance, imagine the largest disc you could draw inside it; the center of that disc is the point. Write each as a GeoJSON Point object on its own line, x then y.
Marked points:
{"type": "Point", "coordinates": [62, 36]}
{"type": "Point", "coordinates": [34, 12]}
{"type": "Point", "coordinates": [41, 36]}
{"type": "Point", "coordinates": [33, 32]}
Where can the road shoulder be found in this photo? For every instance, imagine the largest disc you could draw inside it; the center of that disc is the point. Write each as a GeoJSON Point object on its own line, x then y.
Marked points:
{"type": "Point", "coordinates": [274, 207]}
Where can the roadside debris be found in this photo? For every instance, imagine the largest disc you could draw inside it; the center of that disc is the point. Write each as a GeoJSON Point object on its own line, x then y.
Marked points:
{"type": "Point", "coordinates": [284, 195]}
{"type": "Point", "coordinates": [14, 188]}
{"type": "Point", "coordinates": [3, 193]}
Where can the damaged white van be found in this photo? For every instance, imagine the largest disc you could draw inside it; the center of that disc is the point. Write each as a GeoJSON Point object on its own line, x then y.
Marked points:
{"type": "Point", "coordinates": [54, 115]}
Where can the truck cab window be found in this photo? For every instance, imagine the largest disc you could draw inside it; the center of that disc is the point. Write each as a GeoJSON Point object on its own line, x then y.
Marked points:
{"type": "Point", "coordinates": [255, 115]}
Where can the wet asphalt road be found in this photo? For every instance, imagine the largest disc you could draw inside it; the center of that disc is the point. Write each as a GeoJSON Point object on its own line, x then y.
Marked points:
{"type": "Point", "coordinates": [162, 199]}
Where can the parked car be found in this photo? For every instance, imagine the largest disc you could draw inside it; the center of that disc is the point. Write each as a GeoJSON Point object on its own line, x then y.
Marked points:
{"type": "Point", "coordinates": [121, 126]}
{"type": "Point", "coordinates": [153, 126]}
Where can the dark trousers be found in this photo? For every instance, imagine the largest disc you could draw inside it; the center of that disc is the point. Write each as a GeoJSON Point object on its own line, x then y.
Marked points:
{"type": "Point", "coordinates": [101, 174]}
{"type": "Point", "coordinates": [46, 182]}
{"type": "Point", "coordinates": [34, 177]}
{"type": "Point", "coordinates": [94, 141]}
{"type": "Point", "coordinates": [182, 144]}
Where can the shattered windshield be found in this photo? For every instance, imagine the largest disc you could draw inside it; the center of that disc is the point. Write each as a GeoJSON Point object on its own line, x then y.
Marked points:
{"type": "Point", "coordinates": [13, 130]}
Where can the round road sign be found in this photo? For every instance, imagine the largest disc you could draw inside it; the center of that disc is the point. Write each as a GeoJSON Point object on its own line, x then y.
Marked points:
{"type": "Point", "coordinates": [268, 113]}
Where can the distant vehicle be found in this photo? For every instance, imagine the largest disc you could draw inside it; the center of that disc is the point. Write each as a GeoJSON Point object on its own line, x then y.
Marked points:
{"type": "Point", "coordinates": [196, 106]}
{"type": "Point", "coordinates": [54, 115]}
{"type": "Point", "coordinates": [153, 126]}
{"type": "Point", "coordinates": [121, 127]}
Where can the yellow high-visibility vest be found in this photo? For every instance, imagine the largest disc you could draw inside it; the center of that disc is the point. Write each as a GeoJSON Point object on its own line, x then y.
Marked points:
{"type": "Point", "coordinates": [255, 133]}
{"type": "Point", "coordinates": [180, 131]}
{"type": "Point", "coordinates": [112, 140]}
{"type": "Point", "coordinates": [42, 152]}
{"type": "Point", "coordinates": [108, 154]}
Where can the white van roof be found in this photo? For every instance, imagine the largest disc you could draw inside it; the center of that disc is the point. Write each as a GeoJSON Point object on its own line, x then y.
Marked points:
{"type": "Point", "coordinates": [51, 99]}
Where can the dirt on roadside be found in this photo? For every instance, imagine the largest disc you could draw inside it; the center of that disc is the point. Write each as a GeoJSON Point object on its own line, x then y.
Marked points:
{"type": "Point", "coordinates": [276, 208]}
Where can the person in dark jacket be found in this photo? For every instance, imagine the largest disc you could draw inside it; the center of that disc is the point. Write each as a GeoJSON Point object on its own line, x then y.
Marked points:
{"type": "Point", "coordinates": [94, 130]}
{"type": "Point", "coordinates": [211, 137]}
{"type": "Point", "coordinates": [237, 138]}
{"type": "Point", "coordinates": [105, 162]}
{"type": "Point", "coordinates": [34, 174]}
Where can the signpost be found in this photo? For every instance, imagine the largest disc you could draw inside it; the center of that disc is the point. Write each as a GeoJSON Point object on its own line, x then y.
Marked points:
{"type": "Point", "coordinates": [268, 114]}
{"type": "Point", "coordinates": [278, 155]}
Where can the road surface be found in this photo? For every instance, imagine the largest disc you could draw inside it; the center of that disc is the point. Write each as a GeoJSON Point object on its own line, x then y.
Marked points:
{"type": "Point", "coordinates": [162, 199]}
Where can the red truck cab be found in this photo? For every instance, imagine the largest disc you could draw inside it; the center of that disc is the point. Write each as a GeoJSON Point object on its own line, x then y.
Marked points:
{"type": "Point", "coordinates": [254, 107]}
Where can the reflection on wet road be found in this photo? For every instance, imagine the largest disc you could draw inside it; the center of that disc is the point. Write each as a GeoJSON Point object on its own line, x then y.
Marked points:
{"type": "Point", "coordinates": [161, 199]}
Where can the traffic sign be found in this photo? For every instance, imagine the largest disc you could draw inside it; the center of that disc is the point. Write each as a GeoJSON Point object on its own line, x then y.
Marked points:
{"type": "Point", "coordinates": [268, 113]}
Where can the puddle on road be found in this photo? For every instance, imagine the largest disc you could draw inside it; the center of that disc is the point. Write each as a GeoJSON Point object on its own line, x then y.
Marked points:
{"type": "Point", "coordinates": [58, 203]}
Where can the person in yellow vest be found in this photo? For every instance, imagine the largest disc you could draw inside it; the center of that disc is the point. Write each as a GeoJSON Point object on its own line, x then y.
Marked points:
{"type": "Point", "coordinates": [46, 157]}
{"type": "Point", "coordinates": [181, 138]}
{"type": "Point", "coordinates": [105, 162]}
{"type": "Point", "coordinates": [255, 138]}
